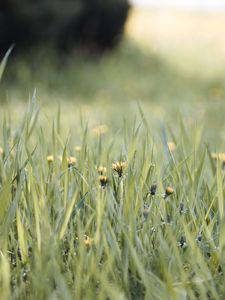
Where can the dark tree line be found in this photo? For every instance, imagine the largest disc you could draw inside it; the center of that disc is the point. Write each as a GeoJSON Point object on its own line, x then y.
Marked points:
{"type": "Point", "coordinates": [65, 24]}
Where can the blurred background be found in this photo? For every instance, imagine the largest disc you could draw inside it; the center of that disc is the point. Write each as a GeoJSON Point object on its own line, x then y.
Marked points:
{"type": "Point", "coordinates": [109, 54]}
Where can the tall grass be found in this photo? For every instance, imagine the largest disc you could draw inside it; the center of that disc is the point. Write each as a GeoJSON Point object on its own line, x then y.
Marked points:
{"type": "Point", "coordinates": [63, 235]}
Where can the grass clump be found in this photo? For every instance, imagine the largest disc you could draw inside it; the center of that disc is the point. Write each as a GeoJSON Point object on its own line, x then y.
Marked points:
{"type": "Point", "coordinates": [125, 220]}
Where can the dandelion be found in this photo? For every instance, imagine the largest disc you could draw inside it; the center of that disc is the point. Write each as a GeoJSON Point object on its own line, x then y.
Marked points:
{"type": "Point", "coordinates": [101, 170]}
{"type": "Point", "coordinates": [50, 158]}
{"type": "Point", "coordinates": [171, 146]}
{"type": "Point", "coordinates": [219, 156]}
{"type": "Point", "coordinates": [119, 167]}
{"type": "Point", "coordinates": [169, 191]}
{"type": "Point", "coordinates": [153, 189]}
{"type": "Point", "coordinates": [71, 161]}
{"type": "Point", "coordinates": [88, 242]}
{"type": "Point", "coordinates": [103, 181]}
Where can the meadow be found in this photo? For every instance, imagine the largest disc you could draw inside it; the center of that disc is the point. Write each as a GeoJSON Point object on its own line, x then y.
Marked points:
{"type": "Point", "coordinates": [112, 173]}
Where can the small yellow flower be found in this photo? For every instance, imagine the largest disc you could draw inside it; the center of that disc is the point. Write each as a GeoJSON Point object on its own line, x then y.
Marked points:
{"type": "Point", "coordinates": [103, 181]}
{"type": "Point", "coordinates": [101, 170]}
{"type": "Point", "coordinates": [1, 151]}
{"type": "Point", "coordinates": [77, 148]}
{"type": "Point", "coordinates": [169, 191]}
{"type": "Point", "coordinates": [50, 158]}
{"type": "Point", "coordinates": [71, 161]}
{"type": "Point", "coordinates": [219, 156]}
{"type": "Point", "coordinates": [101, 129]}
{"type": "Point", "coordinates": [171, 146]}
{"type": "Point", "coordinates": [88, 242]}
{"type": "Point", "coordinates": [119, 167]}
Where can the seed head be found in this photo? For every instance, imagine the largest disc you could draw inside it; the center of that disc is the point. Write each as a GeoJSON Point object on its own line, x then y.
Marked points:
{"type": "Point", "coordinates": [182, 243]}
{"type": "Point", "coordinates": [153, 189]}
{"type": "Point", "coordinates": [103, 181]}
{"type": "Point", "coordinates": [119, 167]}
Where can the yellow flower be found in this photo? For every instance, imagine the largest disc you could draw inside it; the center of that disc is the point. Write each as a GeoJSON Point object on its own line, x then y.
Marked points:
{"type": "Point", "coordinates": [101, 170]}
{"type": "Point", "coordinates": [71, 161]}
{"type": "Point", "coordinates": [50, 158]}
{"type": "Point", "coordinates": [171, 146]}
{"type": "Point", "coordinates": [219, 156]}
{"type": "Point", "coordinates": [169, 191]}
{"type": "Point", "coordinates": [103, 181]}
{"type": "Point", "coordinates": [88, 242]}
{"type": "Point", "coordinates": [119, 167]}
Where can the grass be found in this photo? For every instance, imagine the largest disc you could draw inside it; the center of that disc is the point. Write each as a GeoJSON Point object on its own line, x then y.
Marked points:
{"type": "Point", "coordinates": [152, 228]}
{"type": "Point", "coordinates": [64, 235]}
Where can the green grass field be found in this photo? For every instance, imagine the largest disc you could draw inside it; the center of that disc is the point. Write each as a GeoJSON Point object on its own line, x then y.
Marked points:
{"type": "Point", "coordinates": [149, 223]}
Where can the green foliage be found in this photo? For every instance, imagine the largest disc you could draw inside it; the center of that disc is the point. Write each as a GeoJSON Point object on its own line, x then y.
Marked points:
{"type": "Point", "coordinates": [63, 236]}
{"type": "Point", "coordinates": [65, 24]}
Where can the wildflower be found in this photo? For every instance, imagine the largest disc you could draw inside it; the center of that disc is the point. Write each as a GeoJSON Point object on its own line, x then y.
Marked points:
{"type": "Point", "coordinates": [119, 167]}
{"type": "Point", "coordinates": [103, 181]}
{"type": "Point", "coordinates": [50, 158]}
{"type": "Point", "coordinates": [88, 242]}
{"type": "Point", "coordinates": [171, 146]}
{"type": "Point", "coordinates": [101, 170]}
{"type": "Point", "coordinates": [71, 161]}
{"type": "Point", "coordinates": [1, 151]}
{"type": "Point", "coordinates": [169, 191]}
{"type": "Point", "coordinates": [153, 189]}
{"type": "Point", "coordinates": [77, 149]}
{"type": "Point", "coordinates": [219, 156]}
{"type": "Point", "coordinates": [182, 243]}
